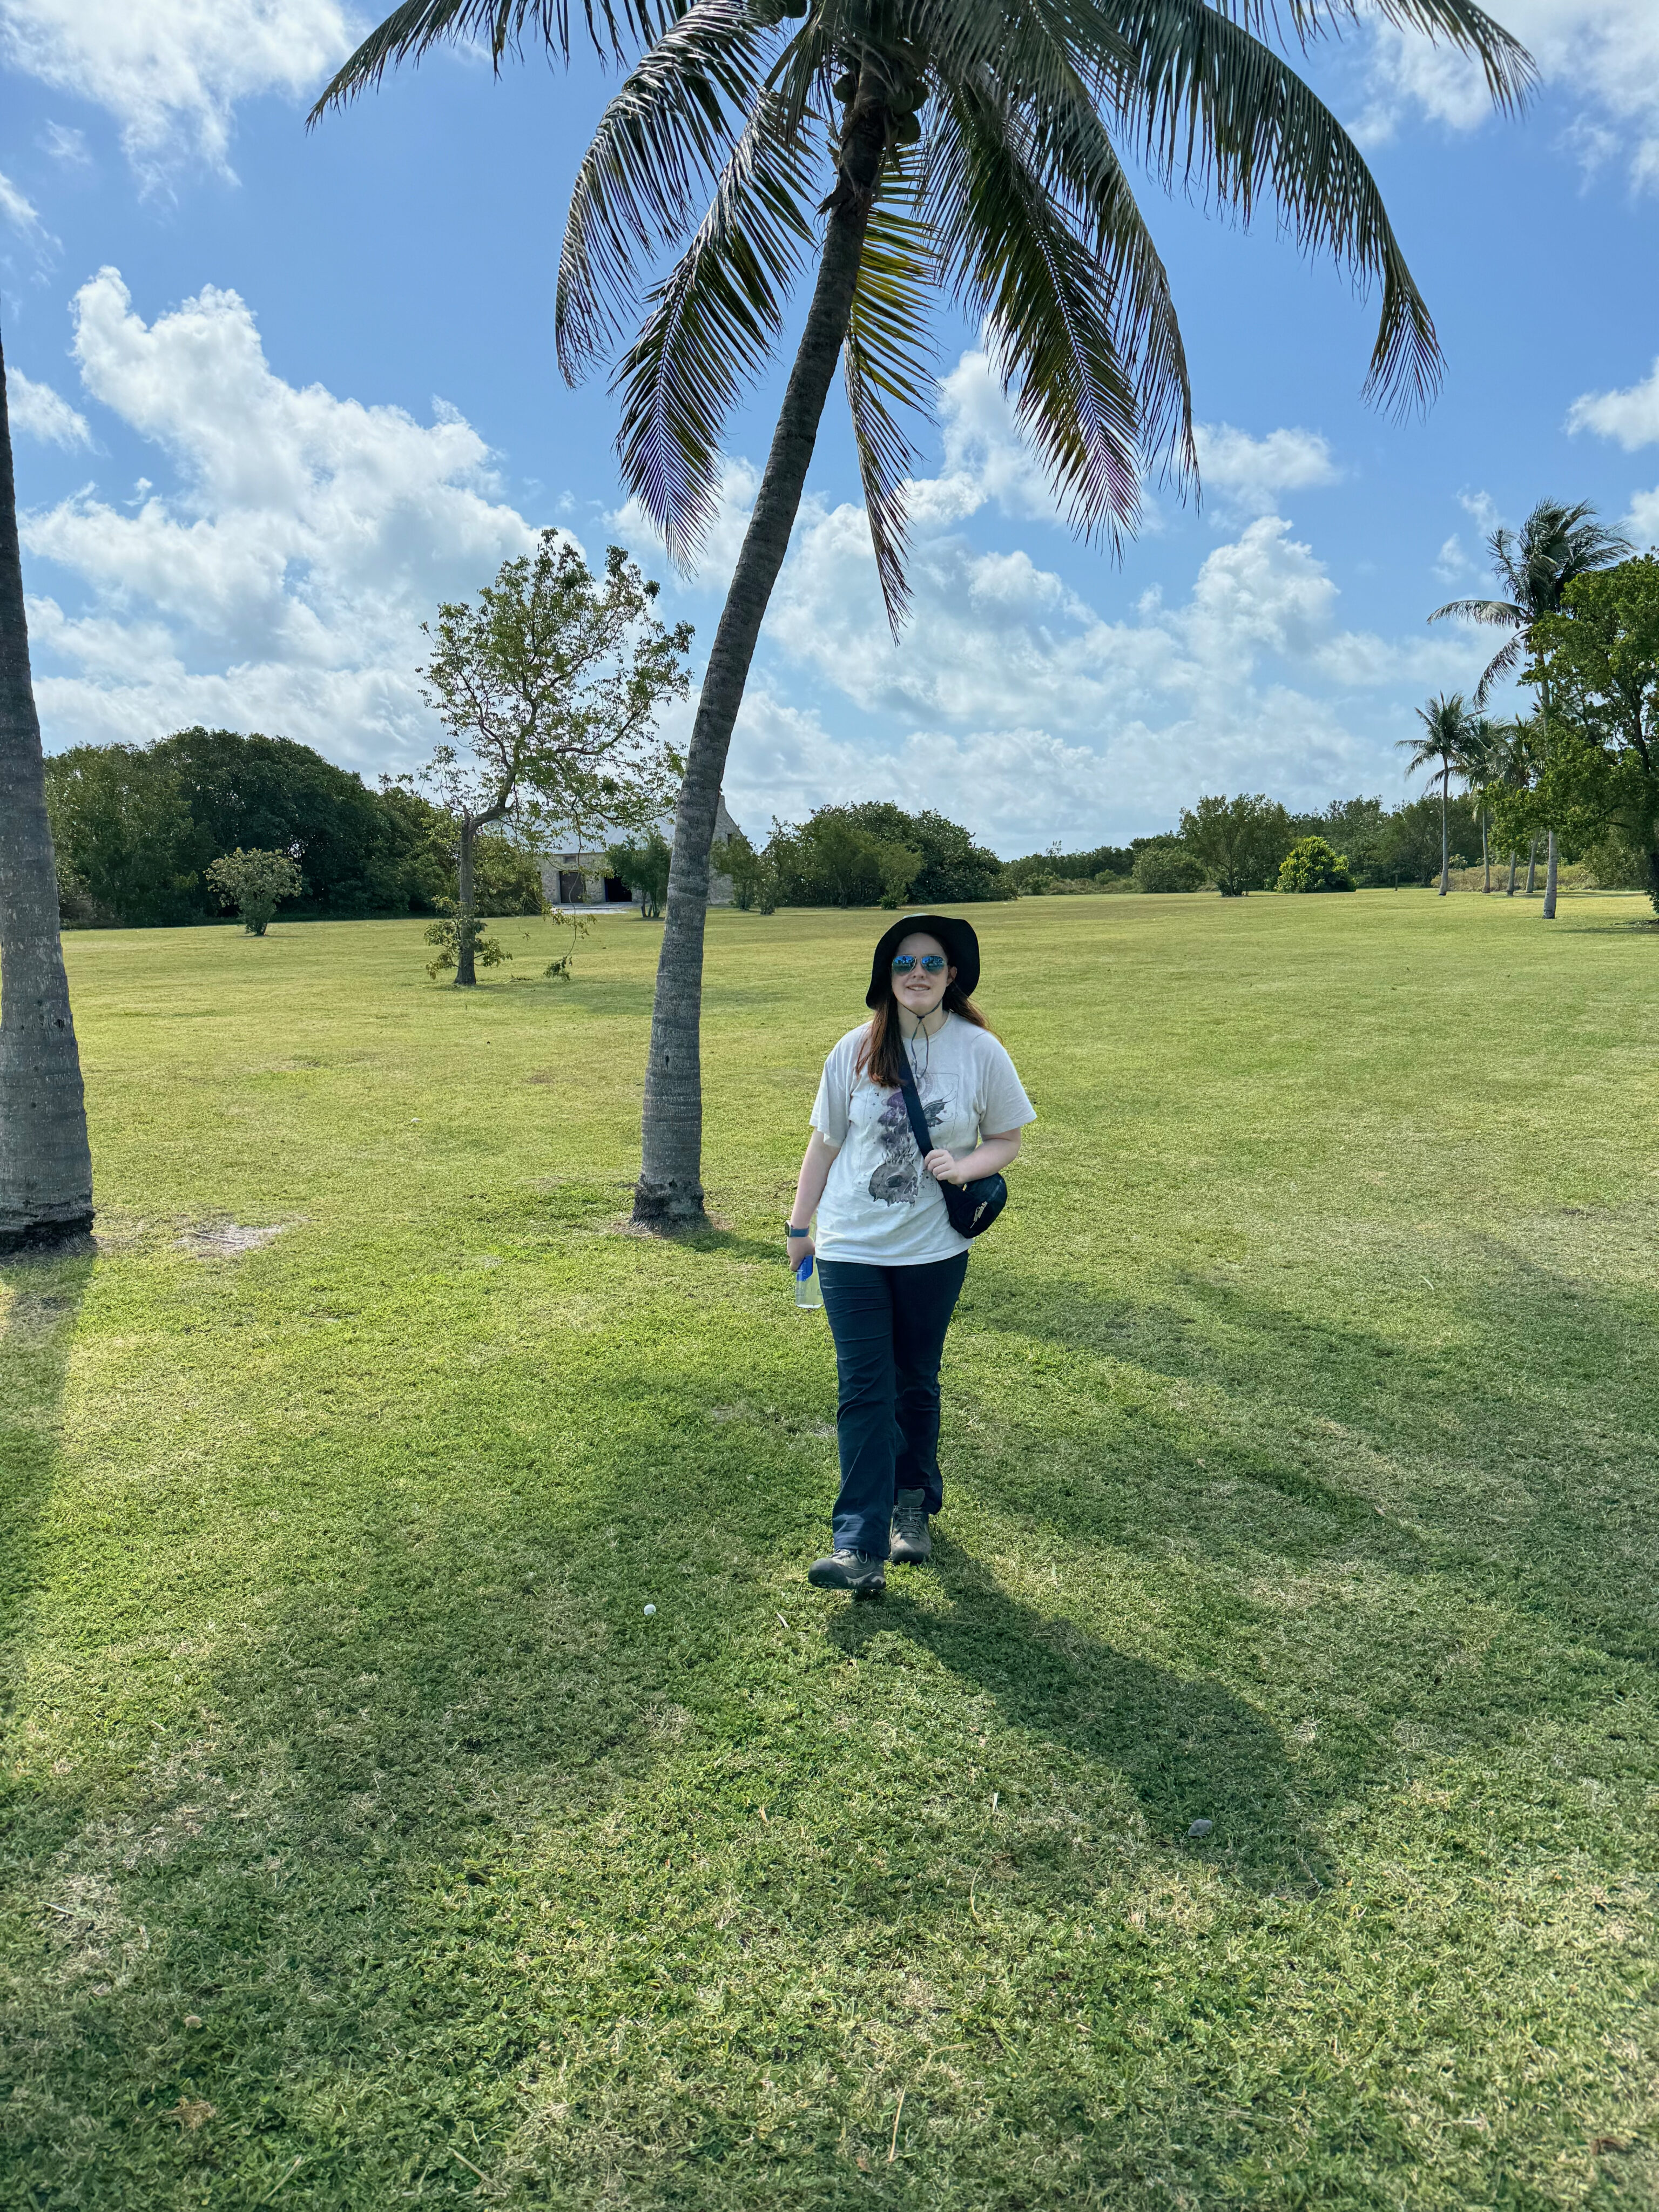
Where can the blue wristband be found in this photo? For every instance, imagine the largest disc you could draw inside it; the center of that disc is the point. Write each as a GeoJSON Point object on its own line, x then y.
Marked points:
{"type": "Point", "coordinates": [790, 1230]}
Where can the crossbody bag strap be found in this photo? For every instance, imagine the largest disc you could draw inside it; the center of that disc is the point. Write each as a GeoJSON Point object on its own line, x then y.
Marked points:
{"type": "Point", "coordinates": [913, 1105]}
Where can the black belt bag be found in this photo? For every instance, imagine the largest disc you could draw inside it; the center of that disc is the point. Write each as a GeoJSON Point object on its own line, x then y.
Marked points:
{"type": "Point", "coordinates": [972, 1206]}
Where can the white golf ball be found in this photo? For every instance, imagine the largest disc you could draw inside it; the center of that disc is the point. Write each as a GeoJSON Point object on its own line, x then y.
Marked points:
{"type": "Point", "coordinates": [650, 1609]}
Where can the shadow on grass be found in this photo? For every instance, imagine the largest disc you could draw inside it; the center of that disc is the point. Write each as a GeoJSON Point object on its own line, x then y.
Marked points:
{"type": "Point", "coordinates": [44, 1294]}
{"type": "Point", "coordinates": [1186, 1746]}
{"type": "Point", "coordinates": [1518, 1458]}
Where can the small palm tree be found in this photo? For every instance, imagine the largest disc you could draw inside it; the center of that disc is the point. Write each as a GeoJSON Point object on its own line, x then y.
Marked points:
{"type": "Point", "coordinates": [1441, 749]}
{"type": "Point", "coordinates": [1475, 758]}
{"type": "Point", "coordinates": [902, 149]}
{"type": "Point", "coordinates": [1537, 562]}
{"type": "Point", "coordinates": [1512, 761]}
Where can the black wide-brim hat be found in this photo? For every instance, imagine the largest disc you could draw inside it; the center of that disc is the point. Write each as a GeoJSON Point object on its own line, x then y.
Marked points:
{"type": "Point", "coordinates": [961, 950]}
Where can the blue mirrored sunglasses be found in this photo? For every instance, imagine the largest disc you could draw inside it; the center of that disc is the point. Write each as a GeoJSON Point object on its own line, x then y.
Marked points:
{"type": "Point", "coordinates": [931, 963]}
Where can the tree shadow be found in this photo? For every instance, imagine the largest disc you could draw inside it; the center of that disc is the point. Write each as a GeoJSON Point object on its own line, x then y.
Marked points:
{"type": "Point", "coordinates": [1516, 1454]}
{"type": "Point", "coordinates": [1185, 1746]}
{"type": "Point", "coordinates": [43, 1292]}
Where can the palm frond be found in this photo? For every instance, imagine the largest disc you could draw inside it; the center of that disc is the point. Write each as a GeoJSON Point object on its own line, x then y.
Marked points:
{"type": "Point", "coordinates": [1217, 109]}
{"type": "Point", "coordinates": [614, 26]}
{"type": "Point", "coordinates": [1076, 156]}
{"type": "Point", "coordinates": [1501, 664]}
{"type": "Point", "coordinates": [1014, 258]}
{"type": "Point", "coordinates": [712, 323]}
{"type": "Point", "coordinates": [1503, 611]}
{"type": "Point", "coordinates": [1509, 70]}
{"type": "Point", "coordinates": [888, 365]}
{"type": "Point", "coordinates": [661, 142]}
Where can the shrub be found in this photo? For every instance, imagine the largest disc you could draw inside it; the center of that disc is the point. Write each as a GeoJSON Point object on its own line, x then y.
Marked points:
{"type": "Point", "coordinates": [1164, 865]}
{"type": "Point", "coordinates": [255, 883]}
{"type": "Point", "coordinates": [1311, 865]}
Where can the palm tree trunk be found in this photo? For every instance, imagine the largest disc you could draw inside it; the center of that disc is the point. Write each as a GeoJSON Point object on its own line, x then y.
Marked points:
{"type": "Point", "coordinates": [1515, 862]}
{"type": "Point", "coordinates": [1445, 846]}
{"type": "Point", "coordinates": [1549, 881]}
{"type": "Point", "coordinates": [466, 975]}
{"type": "Point", "coordinates": [46, 1166]}
{"type": "Point", "coordinates": [669, 1194]}
{"type": "Point", "coordinates": [1485, 852]}
{"type": "Point", "coordinates": [1532, 868]}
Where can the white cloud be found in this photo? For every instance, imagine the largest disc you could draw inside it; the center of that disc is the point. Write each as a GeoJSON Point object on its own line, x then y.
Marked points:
{"type": "Point", "coordinates": [1604, 51]}
{"type": "Point", "coordinates": [67, 146]}
{"type": "Point", "coordinates": [281, 585]}
{"type": "Point", "coordinates": [278, 578]}
{"type": "Point", "coordinates": [1632, 416]}
{"type": "Point", "coordinates": [171, 71]}
{"type": "Point", "coordinates": [38, 411]}
{"type": "Point", "coordinates": [1452, 563]}
{"type": "Point", "coordinates": [20, 214]}
{"type": "Point", "coordinates": [1014, 702]}
{"type": "Point", "coordinates": [1251, 475]}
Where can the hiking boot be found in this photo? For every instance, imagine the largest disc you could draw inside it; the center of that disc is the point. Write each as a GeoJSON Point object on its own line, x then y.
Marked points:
{"type": "Point", "coordinates": [911, 1543]}
{"type": "Point", "coordinates": [860, 1572]}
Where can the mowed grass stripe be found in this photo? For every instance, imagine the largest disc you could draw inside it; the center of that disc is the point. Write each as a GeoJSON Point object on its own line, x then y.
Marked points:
{"type": "Point", "coordinates": [1299, 1460]}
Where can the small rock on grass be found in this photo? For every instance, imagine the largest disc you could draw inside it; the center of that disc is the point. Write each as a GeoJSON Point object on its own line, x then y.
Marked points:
{"type": "Point", "coordinates": [1199, 1830]}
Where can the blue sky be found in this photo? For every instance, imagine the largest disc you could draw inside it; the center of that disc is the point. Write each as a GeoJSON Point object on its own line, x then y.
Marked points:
{"type": "Point", "coordinates": [274, 395]}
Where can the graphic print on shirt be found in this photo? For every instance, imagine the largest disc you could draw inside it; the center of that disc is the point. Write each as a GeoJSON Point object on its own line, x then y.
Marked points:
{"type": "Point", "coordinates": [897, 1174]}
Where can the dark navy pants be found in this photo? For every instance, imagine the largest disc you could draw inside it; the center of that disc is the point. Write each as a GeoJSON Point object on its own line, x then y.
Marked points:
{"type": "Point", "coordinates": [888, 1324]}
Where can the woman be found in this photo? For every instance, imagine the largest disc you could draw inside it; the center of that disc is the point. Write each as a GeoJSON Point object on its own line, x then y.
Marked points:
{"type": "Point", "coordinates": [890, 1264]}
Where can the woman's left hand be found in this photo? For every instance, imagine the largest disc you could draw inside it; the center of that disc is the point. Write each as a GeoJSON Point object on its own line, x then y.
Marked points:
{"type": "Point", "coordinates": [943, 1166]}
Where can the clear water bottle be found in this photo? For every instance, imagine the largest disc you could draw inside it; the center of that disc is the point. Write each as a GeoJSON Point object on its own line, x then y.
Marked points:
{"type": "Point", "coordinates": [809, 1291]}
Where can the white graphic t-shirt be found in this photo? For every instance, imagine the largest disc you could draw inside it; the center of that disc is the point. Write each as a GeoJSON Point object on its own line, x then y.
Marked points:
{"type": "Point", "coordinates": [878, 1206]}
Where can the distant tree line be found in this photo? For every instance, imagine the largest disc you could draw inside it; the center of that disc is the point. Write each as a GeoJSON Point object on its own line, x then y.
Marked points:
{"type": "Point", "coordinates": [873, 853]}
{"type": "Point", "coordinates": [137, 829]}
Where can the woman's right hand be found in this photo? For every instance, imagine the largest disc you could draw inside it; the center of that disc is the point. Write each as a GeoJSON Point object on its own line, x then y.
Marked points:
{"type": "Point", "coordinates": [800, 1248]}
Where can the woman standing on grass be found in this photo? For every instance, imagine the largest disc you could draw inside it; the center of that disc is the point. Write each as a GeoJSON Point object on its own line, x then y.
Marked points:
{"type": "Point", "coordinates": [890, 1264]}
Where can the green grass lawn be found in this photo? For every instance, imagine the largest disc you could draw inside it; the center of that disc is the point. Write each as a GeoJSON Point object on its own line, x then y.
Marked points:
{"type": "Point", "coordinates": [366, 1843]}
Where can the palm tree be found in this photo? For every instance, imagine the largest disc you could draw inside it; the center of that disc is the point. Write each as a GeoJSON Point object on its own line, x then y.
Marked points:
{"type": "Point", "coordinates": [1476, 756]}
{"type": "Point", "coordinates": [1441, 749]}
{"type": "Point", "coordinates": [1512, 760]}
{"type": "Point", "coordinates": [46, 1166]}
{"type": "Point", "coordinates": [968, 147]}
{"type": "Point", "coordinates": [1536, 563]}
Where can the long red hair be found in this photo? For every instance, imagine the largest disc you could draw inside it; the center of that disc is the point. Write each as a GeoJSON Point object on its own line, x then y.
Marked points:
{"type": "Point", "coordinates": [881, 1053]}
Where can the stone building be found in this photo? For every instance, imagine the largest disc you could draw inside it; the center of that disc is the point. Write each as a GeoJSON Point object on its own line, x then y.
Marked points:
{"type": "Point", "coordinates": [579, 880]}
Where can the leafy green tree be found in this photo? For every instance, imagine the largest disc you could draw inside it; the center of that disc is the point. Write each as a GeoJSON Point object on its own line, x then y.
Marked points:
{"type": "Point", "coordinates": [1313, 864]}
{"type": "Point", "coordinates": [1597, 658]}
{"type": "Point", "coordinates": [549, 688]}
{"type": "Point", "coordinates": [951, 869]}
{"type": "Point", "coordinates": [1163, 864]}
{"type": "Point", "coordinates": [45, 1164]}
{"type": "Point", "coordinates": [832, 859]}
{"type": "Point", "coordinates": [126, 845]}
{"type": "Point", "coordinates": [969, 150]}
{"type": "Point", "coordinates": [1440, 748]}
{"type": "Point", "coordinates": [1536, 563]}
{"type": "Point", "coordinates": [737, 858]}
{"type": "Point", "coordinates": [642, 864]}
{"type": "Point", "coordinates": [255, 883]}
{"type": "Point", "coordinates": [1239, 841]}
